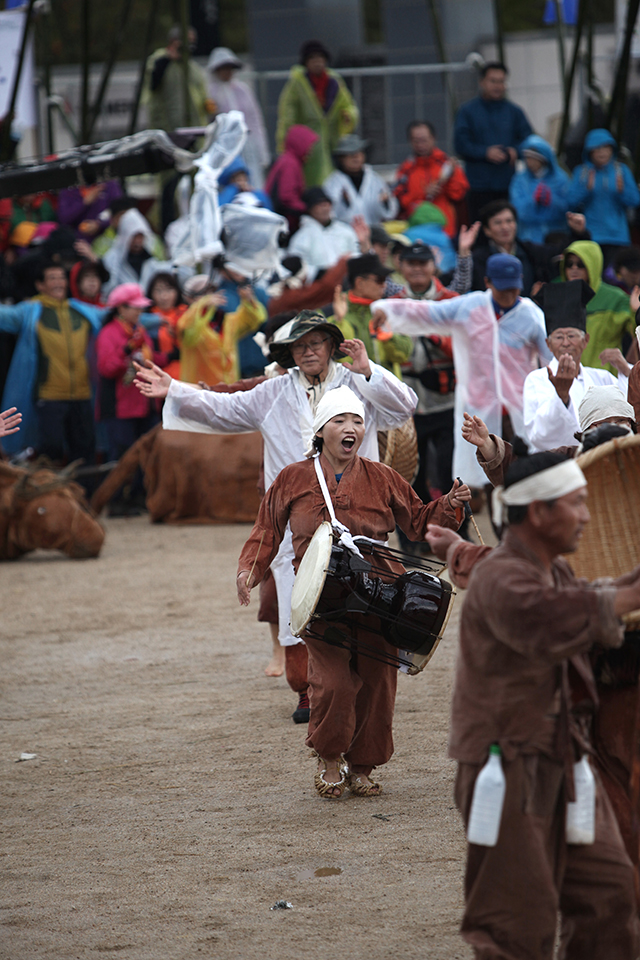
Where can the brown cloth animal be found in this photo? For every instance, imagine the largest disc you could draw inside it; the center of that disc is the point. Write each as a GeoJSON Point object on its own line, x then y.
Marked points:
{"type": "Point", "coordinates": [191, 477]}
{"type": "Point", "coordinates": [42, 509]}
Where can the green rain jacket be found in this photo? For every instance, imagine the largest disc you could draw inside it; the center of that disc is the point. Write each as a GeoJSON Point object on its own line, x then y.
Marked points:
{"type": "Point", "coordinates": [608, 314]}
{"type": "Point", "coordinates": [299, 104]}
{"type": "Point", "coordinates": [388, 353]}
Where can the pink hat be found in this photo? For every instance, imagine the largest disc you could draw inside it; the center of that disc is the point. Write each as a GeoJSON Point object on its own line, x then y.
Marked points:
{"type": "Point", "coordinates": [130, 294]}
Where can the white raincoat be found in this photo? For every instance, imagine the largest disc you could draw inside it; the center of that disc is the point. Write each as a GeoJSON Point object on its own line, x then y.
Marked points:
{"type": "Point", "coordinates": [492, 359]}
{"type": "Point", "coordinates": [365, 202]}
{"type": "Point", "coordinates": [115, 259]}
{"type": "Point", "coordinates": [320, 247]}
{"type": "Point", "coordinates": [279, 408]}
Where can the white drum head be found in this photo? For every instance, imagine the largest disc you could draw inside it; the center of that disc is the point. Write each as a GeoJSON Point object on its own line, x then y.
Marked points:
{"type": "Point", "coordinates": [309, 582]}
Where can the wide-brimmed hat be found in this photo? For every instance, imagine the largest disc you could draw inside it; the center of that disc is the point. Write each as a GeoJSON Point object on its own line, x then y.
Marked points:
{"type": "Point", "coordinates": [306, 322]}
{"type": "Point", "coordinates": [350, 143]}
{"type": "Point", "coordinates": [130, 294]}
{"type": "Point", "coordinates": [223, 57]}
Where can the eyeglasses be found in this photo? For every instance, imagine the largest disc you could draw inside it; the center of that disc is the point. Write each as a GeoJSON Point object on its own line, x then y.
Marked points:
{"type": "Point", "coordinates": [314, 345]}
{"type": "Point", "coordinates": [574, 263]}
{"type": "Point", "coordinates": [566, 337]}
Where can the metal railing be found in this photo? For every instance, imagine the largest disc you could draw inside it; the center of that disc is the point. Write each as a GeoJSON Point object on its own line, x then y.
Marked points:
{"type": "Point", "coordinates": [356, 75]}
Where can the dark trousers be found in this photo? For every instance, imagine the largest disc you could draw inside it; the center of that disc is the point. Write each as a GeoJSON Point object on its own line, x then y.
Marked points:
{"type": "Point", "coordinates": [66, 429]}
{"type": "Point", "coordinates": [477, 199]}
{"type": "Point", "coordinates": [434, 430]}
{"type": "Point", "coordinates": [122, 434]}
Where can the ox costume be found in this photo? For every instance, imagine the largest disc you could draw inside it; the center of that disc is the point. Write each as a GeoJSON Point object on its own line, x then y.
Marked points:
{"type": "Point", "coordinates": [524, 681]}
{"type": "Point", "coordinates": [492, 358]}
{"type": "Point", "coordinates": [351, 696]}
{"type": "Point", "coordinates": [282, 409]}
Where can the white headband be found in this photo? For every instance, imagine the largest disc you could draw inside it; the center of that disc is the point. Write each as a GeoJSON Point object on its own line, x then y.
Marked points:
{"type": "Point", "coordinates": [335, 402]}
{"type": "Point", "coordinates": [549, 484]}
{"type": "Point", "coordinates": [599, 403]}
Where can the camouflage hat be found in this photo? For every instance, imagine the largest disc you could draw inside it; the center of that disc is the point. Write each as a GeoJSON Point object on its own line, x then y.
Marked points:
{"type": "Point", "coordinates": [306, 322]}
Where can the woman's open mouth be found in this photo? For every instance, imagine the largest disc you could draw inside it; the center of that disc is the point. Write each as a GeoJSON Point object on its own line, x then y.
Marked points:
{"type": "Point", "coordinates": [348, 444]}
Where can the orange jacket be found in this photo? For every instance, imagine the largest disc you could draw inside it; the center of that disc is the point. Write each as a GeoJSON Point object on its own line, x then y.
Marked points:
{"type": "Point", "coordinates": [414, 176]}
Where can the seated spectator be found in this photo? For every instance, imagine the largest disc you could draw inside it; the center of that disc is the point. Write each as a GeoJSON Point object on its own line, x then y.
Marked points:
{"type": "Point", "coordinates": [487, 135]}
{"type": "Point", "coordinates": [234, 180]}
{"type": "Point", "coordinates": [608, 313]}
{"type": "Point", "coordinates": [112, 217]}
{"type": "Point", "coordinates": [166, 300]}
{"type": "Point", "coordinates": [285, 182]}
{"type": "Point", "coordinates": [321, 240]}
{"type": "Point", "coordinates": [229, 93]}
{"type": "Point", "coordinates": [352, 313]}
{"type": "Point", "coordinates": [131, 259]}
{"type": "Point", "coordinates": [86, 280]}
{"type": "Point", "coordinates": [49, 377]}
{"type": "Point", "coordinates": [126, 414]}
{"type": "Point", "coordinates": [553, 393]}
{"type": "Point", "coordinates": [624, 271]}
{"type": "Point", "coordinates": [539, 192]}
{"type": "Point", "coordinates": [500, 227]}
{"type": "Point", "coordinates": [354, 188]}
{"type": "Point", "coordinates": [604, 189]}
{"type": "Point", "coordinates": [209, 331]}
{"type": "Point", "coordinates": [81, 207]}
{"type": "Point", "coordinates": [430, 175]}
{"type": "Point", "coordinates": [34, 207]}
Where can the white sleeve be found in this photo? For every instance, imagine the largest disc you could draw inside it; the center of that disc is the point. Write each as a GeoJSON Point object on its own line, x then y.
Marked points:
{"type": "Point", "coordinates": [417, 318]}
{"type": "Point", "coordinates": [393, 401]}
{"type": "Point", "coordinates": [547, 422]}
{"type": "Point", "coordinates": [206, 411]}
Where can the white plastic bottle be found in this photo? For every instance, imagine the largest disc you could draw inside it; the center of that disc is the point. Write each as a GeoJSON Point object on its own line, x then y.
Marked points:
{"type": "Point", "coordinates": [488, 799]}
{"type": "Point", "coordinates": [581, 814]}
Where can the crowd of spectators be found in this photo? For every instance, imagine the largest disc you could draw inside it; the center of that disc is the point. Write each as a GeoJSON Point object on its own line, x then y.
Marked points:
{"type": "Point", "coordinates": [88, 285]}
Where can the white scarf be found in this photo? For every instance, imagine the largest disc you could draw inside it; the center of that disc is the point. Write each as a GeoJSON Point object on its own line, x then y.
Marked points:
{"type": "Point", "coordinates": [556, 481]}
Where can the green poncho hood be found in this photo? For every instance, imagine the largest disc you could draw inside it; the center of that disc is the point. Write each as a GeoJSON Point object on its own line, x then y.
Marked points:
{"type": "Point", "coordinates": [591, 255]}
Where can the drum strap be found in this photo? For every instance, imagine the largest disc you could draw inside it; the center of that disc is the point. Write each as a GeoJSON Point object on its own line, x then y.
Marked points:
{"type": "Point", "coordinates": [343, 533]}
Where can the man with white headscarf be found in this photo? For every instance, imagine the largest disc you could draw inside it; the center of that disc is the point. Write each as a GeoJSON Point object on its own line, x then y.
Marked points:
{"type": "Point", "coordinates": [524, 682]}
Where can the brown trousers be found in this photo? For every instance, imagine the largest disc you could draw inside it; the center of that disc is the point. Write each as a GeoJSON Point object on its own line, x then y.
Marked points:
{"type": "Point", "coordinates": [352, 699]}
{"type": "Point", "coordinates": [513, 891]}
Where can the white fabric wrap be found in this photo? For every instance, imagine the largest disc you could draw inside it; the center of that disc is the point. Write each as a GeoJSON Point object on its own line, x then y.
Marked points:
{"type": "Point", "coordinates": [599, 403]}
{"type": "Point", "coordinates": [556, 481]}
{"type": "Point", "coordinates": [340, 400]}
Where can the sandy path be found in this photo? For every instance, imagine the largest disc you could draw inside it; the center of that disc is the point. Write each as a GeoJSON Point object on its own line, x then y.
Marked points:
{"type": "Point", "coordinates": [171, 800]}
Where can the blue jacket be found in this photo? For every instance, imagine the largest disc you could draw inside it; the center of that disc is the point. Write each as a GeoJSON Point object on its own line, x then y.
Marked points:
{"type": "Point", "coordinates": [22, 319]}
{"type": "Point", "coordinates": [484, 123]}
{"type": "Point", "coordinates": [604, 206]}
{"type": "Point", "coordinates": [228, 191]}
{"type": "Point", "coordinates": [535, 220]}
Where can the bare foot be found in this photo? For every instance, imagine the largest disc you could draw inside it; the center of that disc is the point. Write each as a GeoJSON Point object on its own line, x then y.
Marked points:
{"type": "Point", "coordinates": [331, 775]}
{"type": "Point", "coordinates": [275, 667]}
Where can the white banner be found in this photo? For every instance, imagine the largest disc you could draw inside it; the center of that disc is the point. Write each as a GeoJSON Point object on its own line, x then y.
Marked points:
{"type": "Point", "coordinates": [11, 29]}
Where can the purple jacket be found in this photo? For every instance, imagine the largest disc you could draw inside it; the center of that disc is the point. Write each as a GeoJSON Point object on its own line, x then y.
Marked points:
{"type": "Point", "coordinates": [72, 209]}
{"type": "Point", "coordinates": [285, 183]}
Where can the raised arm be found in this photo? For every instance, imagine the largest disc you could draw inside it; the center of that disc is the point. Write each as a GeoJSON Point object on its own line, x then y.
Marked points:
{"type": "Point", "coordinates": [416, 318]}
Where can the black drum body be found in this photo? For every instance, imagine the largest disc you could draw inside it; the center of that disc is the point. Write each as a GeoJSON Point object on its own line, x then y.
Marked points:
{"type": "Point", "coordinates": [412, 610]}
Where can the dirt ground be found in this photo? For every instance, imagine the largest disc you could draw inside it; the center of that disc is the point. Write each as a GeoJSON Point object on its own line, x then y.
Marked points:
{"type": "Point", "coordinates": [170, 803]}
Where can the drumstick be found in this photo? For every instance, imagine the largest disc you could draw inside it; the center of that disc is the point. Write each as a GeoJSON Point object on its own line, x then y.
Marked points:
{"type": "Point", "coordinates": [469, 516]}
{"type": "Point", "coordinates": [253, 566]}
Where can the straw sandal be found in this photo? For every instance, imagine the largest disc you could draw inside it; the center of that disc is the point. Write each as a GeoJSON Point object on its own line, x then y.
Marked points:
{"type": "Point", "coordinates": [359, 788]}
{"type": "Point", "coordinates": [325, 789]}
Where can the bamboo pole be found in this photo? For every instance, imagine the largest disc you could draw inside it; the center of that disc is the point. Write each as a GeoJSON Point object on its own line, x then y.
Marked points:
{"type": "Point", "coordinates": [153, 9]}
{"type": "Point", "coordinates": [617, 104]}
{"type": "Point", "coordinates": [568, 84]}
{"type": "Point", "coordinates": [108, 67]}
{"type": "Point", "coordinates": [184, 23]}
{"type": "Point", "coordinates": [5, 148]}
{"type": "Point", "coordinates": [84, 109]}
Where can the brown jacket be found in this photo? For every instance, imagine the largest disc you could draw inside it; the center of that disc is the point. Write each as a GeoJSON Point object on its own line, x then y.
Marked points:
{"type": "Point", "coordinates": [521, 631]}
{"type": "Point", "coordinates": [370, 500]}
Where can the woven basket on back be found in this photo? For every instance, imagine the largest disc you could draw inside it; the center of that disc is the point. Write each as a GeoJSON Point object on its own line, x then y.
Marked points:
{"type": "Point", "coordinates": [398, 448]}
{"type": "Point", "coordinates": [610, 544]}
